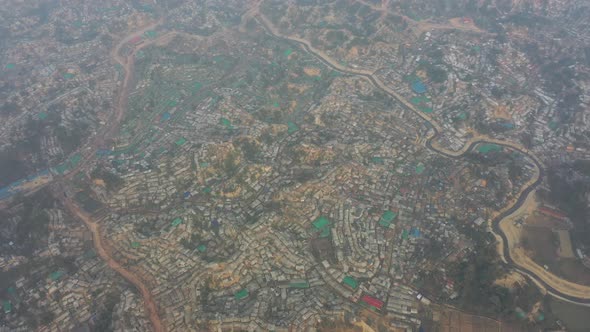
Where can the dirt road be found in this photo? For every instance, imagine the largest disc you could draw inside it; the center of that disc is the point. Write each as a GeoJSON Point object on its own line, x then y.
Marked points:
{"type": "Point", "coordinates": [128, 65]}
{"type": "Point", "coordinates": [425, 25]}
{"type": "Point", "coordinates": [520, 257]}
{"type": "Point", "coordinates": [104, 253]}
{"type": "Point", "coordinates": [110, 130]}
{"type": "Point", "coordinates": [335, 64]}
{"type": "Point", "coordinates": [554, 285]}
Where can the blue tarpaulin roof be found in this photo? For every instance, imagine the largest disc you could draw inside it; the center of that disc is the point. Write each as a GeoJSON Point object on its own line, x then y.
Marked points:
{"type": "Point", "coordinates": [418, 87]}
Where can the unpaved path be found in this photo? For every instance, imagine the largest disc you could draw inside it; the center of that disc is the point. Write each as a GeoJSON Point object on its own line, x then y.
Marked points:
{"type": "Point", "coordinates": [426, 25]}
{"type": "Point", "coordinates": [109, 131]}
{"type": "Point", "coordinates": [104, 253]}
{"type": "Point", "coordinates": [553, 284]}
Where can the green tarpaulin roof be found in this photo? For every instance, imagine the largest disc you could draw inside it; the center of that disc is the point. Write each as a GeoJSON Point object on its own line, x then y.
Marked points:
{"type": "Point", "coordinates": [292, 127]}
{"type": "Point", "coordinates": [242, 294]}
{"type": "Point", "coordinates": [420, 168]}
{"type": "Point", "coordinates": [350, 282]}
{"type": "Point", "coordinates": [485, 148]}
{"type": "Point", "coordinates": [226, 123]}
{"type": "Point", "coordinates": [387, 217]}
{"type": "Point", "coordinates": [321, 222]}
{"type": "Point", "coordinates": [377, 160]}
{"type": "Point", "coordinates": [176, 222]}
{"type": "Point", "coordinates": [7, 306]}
{"type": "Point", "coordinates": [56, 275]}
{"type": "Point", "coordinates": [325, 232]}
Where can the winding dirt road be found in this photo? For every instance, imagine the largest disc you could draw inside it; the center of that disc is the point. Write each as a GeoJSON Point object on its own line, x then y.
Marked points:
{"type": "Point", "coordinates": [108, 131]}
{"type": "Point", "coordinates": [424, 25]}
{"type": "Point", "coordinates": [548, 282]}
{"type": "Point", "coordinates": [128, 64]}
{"type": "Point", "coordinates": [104, 253]}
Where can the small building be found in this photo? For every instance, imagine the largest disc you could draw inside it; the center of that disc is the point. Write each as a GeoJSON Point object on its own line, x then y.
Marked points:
{"type": "Point", "coordinates": [479, 221]}
{"type": "Point", "coordinates": [350, 282]}
{"type": "Point", "coordinates": [373, 302]}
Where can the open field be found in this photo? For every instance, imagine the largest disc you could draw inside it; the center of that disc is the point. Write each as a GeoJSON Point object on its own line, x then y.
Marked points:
{"type": "Point", "coordinates": [540, 243]}
{"type": "Point", "coordinates": [447, 319]}
{"type": "Point", "coordinates": [574, 317]}
{"type": "Point", "coordinates": [565, 244]}
{"type": "Point", "coordinates": [546, 242]}
{"type": "Point", "coordinates": [523, 258]}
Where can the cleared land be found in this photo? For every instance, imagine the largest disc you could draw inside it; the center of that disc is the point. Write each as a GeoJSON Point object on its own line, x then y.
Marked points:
{"type": "Point", "coordinates": [574, 317]}
{"type": "Point", "coordinates": [547, 242]}
{"type": "Point", "coordinates": [446, 319]}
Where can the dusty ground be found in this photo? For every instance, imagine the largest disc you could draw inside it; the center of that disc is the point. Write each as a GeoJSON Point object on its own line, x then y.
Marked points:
{"type": "Point", "coordinates": [522, 258]}
{"type": "Point", "coordinates": [311, 71]}
{"type": "Point", "coordinates": [539, 220]}
{"type": "Point", "coordinates": [575, 317]}
{"type": "Point", "coordinates": [565, 244]}
{"type": "Point", "coordinates": [513, 233]}
{"type": "Point", "coordinates": [298, 87]}
{"type": "Point", "coordinates": [573, 270]}
{"type": "Point", "coordinates": [353, 52]}
{"type": "Point", "coordinates": [501, 112]}
{"type": "Point", "coordinates": [377, 323]}
{"type": "Point", "coordinates": [546, 241]}
{"type": "Point", "coordinates": [99, 182]}
{"type": "Point", "coordinates": [450, 320]}
{"type": "Point", "coordinates": [540, 243]}
{"type": "Point", "coordinates": [458, 23]}
{"type": "Point", "coordinates": [511, 280]}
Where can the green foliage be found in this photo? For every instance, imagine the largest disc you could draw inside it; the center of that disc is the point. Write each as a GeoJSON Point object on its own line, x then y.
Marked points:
{"type": "Point", "coordinates": [335, 38]}
{"type": "Point", "coordinates": [12, 167]}
{"type": "Point", "coordinates": [146, 228]}
{"type": "Point", "coordinates": [9, 109]}
{"type": "Point", "coordinates": [249, 148]}
{"type": "Point", "coordinates": [32, 228]}
{"type": "Point", "coordinates": [436, 74]}
{"type": "Point", "coordinates": [568, 192]}
{"type": "Point", "coordinates": [71, 138]}
{"type": "Point", "coordinates": [104, 321]}
{"type": "Point", "coordinates": [191, 243]}
{"type": "Point", "coordinates": [474, 279]}
{"type": "Point", "coordinates": [231, 164]}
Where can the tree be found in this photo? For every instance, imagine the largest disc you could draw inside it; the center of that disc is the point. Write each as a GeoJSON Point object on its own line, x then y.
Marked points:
{"type": "Point", "coordinates": [9, 109]}
{"type": "Point", "coordinates": [230, 164]}
{"type": "Point", "coordinates": [437, 74]}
